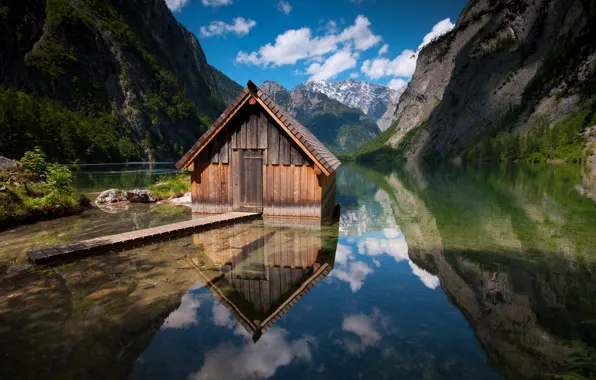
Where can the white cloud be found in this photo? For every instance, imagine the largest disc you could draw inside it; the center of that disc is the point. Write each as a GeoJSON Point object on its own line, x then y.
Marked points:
{"type": "Point", "coordinates": [429, 280]}
{"type": "Point", "coordinates": [176, 5]}
{"type": "Point", "coordinates": [354, 274]}
{"type": "Point", "coordinates": [362, 326]}
{"type": "Point", "coordinates": [289, 48]}
{"type": "Point", "coordinates": [240, 27]}
{"type": "Point", "coordinates": [185, 315]}
{"type": "Point", "coordinates": [442, 27]}
{"type": "Point", "coordinates": [397, 84]}
{"type": "Point", "coordinates": [391, 233]}
{"type": "Point", "coordinates": [221, 316]}
{"type": "Point", "coordinates": [331, 27]}
{"type": "Point", "coordinates": [394, 244]}
{"type": "Point", "coordinates": [354, 75]}
{"type": "Point", "coordinates": [343, 254]}
{"type": "Point", "coordinates": [367, 328]}
{"type": "Point", "coordinates": [255, 360]}
{"type": "Point", "coordinates": [216, 3]}
{"type": "Point", "coordinates": [360, 34]}
{"type": "Point", "coordinates": [300, 44]}
{"type": "Point", "coordinates": [337, 63]}
{"type": "Point", "coordinates": [284, 7]}
{"type": "Point", "coordinates": [384, 49]}
{"type": "Point", "coordinates": [404, 65]}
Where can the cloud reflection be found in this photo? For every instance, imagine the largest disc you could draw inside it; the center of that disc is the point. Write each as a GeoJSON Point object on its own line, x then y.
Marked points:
{"type": "Point", "coordinates": [354, 274]}
{"type": "Point", "coordinates": [367, 328]}
{"type": "Point", "coordinates": [186, 314]}
{"type": "Point", "coordinates": [252, 360]}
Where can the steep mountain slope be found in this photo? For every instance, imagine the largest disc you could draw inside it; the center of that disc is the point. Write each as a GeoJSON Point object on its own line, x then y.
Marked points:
{"type": "Point", "coordinates": [342, 129]}
{"type": "Point", "coordinates": [514, 80]}
{"type": "Point", "coordinates": [378, 102]}
{"type": "Point", "coordinates": [125, 67]}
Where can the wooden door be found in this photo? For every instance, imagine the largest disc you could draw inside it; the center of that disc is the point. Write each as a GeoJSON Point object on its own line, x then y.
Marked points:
{"type": "Point", "coordinates": [248, 181]}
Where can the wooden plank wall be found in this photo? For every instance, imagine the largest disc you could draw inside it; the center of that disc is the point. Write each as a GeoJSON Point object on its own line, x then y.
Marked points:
{"type": "Point", "coordinates": [255, 131]}
{"type": "Point", "coordinates": [290, 187]}
{"type": "Point", "coordinates": [295, 191]}
{"type": "Point", "coordinates": [211, 188]}
{"type": "Point", "coordinates": [328, 199]}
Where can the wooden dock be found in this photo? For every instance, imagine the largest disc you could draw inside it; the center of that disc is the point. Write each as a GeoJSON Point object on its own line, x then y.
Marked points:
{"type": "Point", "coordinates": [132, 238]}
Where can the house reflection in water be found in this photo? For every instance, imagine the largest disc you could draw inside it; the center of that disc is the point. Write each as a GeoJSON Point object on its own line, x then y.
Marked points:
{"type": "Point", "coordinates": [260, 270]}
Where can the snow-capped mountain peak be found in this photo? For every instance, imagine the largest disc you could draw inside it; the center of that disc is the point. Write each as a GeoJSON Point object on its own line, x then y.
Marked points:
{"type": "Point", "coordinates": [378, 102]}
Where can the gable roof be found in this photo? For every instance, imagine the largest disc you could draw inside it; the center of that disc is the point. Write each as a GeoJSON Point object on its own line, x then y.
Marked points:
{"type": "Point", "coordinates": [321, 156]}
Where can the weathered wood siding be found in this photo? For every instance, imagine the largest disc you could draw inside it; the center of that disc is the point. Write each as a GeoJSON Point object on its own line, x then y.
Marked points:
{"type": "Point", "coordinates": [211, 187]}
{"type": "Point", "coordinates": [295, 191]}
{"type": "Point", "coordinates": [289, 185]}
{"type": "Point", "coordinates": [328, 196]}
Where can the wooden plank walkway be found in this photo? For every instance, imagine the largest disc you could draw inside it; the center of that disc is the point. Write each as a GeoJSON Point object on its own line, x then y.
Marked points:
{"type": "Point", "coordinates": [139, 236]}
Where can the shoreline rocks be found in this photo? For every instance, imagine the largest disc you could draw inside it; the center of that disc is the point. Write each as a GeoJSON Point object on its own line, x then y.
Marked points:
{"type": "Point", "coordinates": [6, 163]}
{"type": "Point", "coordinates": [140, 196]}
{"type": "Point", "coordinates": [112, 196]}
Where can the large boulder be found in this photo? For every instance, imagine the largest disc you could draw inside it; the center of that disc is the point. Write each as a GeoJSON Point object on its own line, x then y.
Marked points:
{"type": "Point", "coordinates": [140, 196]}
{"type": "Point", "coordinates": [8, 163]}
{"type": "Point", "coordinates": [111, 196]}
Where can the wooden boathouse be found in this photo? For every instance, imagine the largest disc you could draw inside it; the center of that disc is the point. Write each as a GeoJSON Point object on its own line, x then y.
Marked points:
{"type": "Point", "coordinates": [258, 158]}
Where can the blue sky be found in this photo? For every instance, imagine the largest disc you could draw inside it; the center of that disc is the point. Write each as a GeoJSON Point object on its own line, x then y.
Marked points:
{"type": "Point", "coordinates": [293, 41]}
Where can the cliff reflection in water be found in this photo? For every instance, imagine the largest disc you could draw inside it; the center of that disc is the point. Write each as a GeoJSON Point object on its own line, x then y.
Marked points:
{"type": "Point", "coordinates": [514, 249]}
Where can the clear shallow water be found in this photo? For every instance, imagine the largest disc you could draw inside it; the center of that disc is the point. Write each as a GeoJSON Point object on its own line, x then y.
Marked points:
{"type": "Point", "coordinates": [92, 178]}
{"type": "Point", "coordinates": [443, 273]}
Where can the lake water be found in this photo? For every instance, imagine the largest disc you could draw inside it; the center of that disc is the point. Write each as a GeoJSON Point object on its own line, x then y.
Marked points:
{"type": "Point", "coordinates": [445, 273]}
{"type": "Point", "coordinates": [132, 175]}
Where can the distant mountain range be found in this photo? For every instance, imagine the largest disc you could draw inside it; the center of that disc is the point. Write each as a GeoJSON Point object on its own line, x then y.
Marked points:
{"type": "Point", "coordinates": [376, 101]}
{"type": "Point", "coordinates": [341, 128]}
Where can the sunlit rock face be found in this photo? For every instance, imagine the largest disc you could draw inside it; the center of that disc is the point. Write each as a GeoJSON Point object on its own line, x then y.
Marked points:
{"type": "Point", "coordinates": [471, 81]}
{"type": "Point", "coordinates": [376, 101]}
{"type": "Point", "coordinates": [342, 128]}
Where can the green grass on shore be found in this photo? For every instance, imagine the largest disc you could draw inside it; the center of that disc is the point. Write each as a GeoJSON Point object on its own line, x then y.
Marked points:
{"type": "Point", "coordinates": [25, 197]}
{"type": "Point", "coordinates": [171, 185]}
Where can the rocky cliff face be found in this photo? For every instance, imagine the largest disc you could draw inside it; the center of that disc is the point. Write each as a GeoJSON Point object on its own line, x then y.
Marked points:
{"type": "Point", "coordinates": [376, 101]}
{"type": "Point", "coordinates": [341, 128]}
{"type": "Point", "coordinates": [508, 66]}
{"type": "Point", "coordinates": [128, 58]}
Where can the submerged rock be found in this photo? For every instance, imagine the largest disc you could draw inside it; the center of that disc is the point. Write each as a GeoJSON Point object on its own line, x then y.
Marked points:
{"type": "Point", "coordinates": [140, 196]}
{"type": "Point", "coordinates": [111, 196]}
{"type": "Point", "coordinates": [114, 208]}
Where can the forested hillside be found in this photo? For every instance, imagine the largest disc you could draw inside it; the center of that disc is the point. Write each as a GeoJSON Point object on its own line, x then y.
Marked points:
{"type": "Point", "coordinates": [103, 80]}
